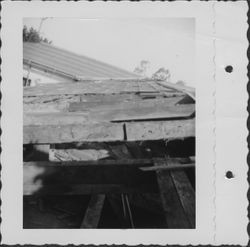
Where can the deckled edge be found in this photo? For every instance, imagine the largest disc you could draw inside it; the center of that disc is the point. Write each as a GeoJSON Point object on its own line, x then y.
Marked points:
{"type": "Point", "coordinates": [214, 120]}
{"type": "Point", "coordinates": [248, 121]}
{"type": "Point", "coordinates": [0, 126]}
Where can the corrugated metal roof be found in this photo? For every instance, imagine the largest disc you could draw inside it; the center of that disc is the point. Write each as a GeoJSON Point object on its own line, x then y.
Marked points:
{"type": "Point", "coordinates": [68, 63]}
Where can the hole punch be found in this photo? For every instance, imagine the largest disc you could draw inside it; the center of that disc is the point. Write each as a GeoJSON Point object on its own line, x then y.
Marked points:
{"type": "Point", "coordinates": [229, 69]}
{"type": "Point", "coordinates": [229, 175]}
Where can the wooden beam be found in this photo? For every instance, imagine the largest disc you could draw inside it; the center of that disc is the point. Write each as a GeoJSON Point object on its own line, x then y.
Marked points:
{"type": "Point", "coordinates": [174, 213]}
{"type": "Point", "coordinates": [114, 163]}
{"type": "Point", "coordinates": [185, 192]}
{"type": "Point", "coordinates": [93, 212]}
{"type": "Point", "coordinates": [168, 168]}
{"type": "Point", "coordinates": [137, 131]}
{"type": "Point", "coordinates": [80, 88]}
{"type": "Point", "coordinates": [133, 110]}
{"type": "Point", "coordinates": [159, 130]}
{"type": "Point", "coordinates": [54, 118]}
{"type": "Point", "coordinates": [51, 134]}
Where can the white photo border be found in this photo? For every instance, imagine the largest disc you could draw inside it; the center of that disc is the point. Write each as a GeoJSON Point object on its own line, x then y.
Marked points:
{"type": "Point", "coordinates": [221, 204]}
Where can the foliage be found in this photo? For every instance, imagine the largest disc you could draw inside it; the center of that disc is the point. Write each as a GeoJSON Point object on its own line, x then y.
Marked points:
{"type": "Point", "coordinates": [32, 35]}
{"type": "Point", "coordinates": [142, 68]}
{"type": "Point", "coordinates": [161, 74]}
{"type": "Point", "coordinates": [181, 83]}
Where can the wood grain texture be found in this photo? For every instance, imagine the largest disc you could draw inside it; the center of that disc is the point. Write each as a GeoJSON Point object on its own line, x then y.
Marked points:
{"type": "Point", "coordinates": [174, 213]}
{"type": "Point", "coordinates": [97, 87]}
{"type": "Point", "coordinates": [122, 161]}
{"type": "Point", "coordinates": [185, 192]}
{"type": "Point", "coordinates": [72, 133]}
{"type": "Point", "coordinates": [93, 212]}
{"type": "Point", "coordinates": [55, 118]}
{"type": "Point", "coordinates": [51, 134]}
{"type": "Point", "coordinates": [86, 87]}
{"type": "Point", "coordinates": [151, 109]}
{"type": "Point", "coordinates": [160, 130]}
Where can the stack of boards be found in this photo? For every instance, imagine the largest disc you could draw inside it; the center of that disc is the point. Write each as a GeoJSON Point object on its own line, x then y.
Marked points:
{"type": "Point", "coordinates": [106, 138]}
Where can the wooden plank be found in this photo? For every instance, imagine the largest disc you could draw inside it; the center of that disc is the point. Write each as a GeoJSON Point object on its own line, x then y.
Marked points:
{"type": "Point", "coordinates": [160, 130]}
{"type": "Point", "coordinates": [75, 154]}
{"type": "Point", "coordinates": [55, 118]}
{"type": "Point", "coordinates": [185, 192]}
{"type": "Point", "coordinates": [93, 212]}
{"type": "Point", "coordinates": [108, 132]}
{"type": "Point", "coordinates": [168, 168]}
{"type": "Point", "coordinates": [121, 152]}
{"type": "Point", "coordinates": [134, 163]}
{"type": "Point", "coordinates": [174, 213]}
{"type": "Point", "coordinates": [97, 87]}
{"type": "Point", "coordinates": [185, 89]}
{"type": "Point", "coordinates": [78, 88]}
{"type": "Point", "coordinates": [126, 101]}
{"type": "Point", "coordinates": [148, 201]}
{"type": "Point", "coordinates": [92, 99]}
{"type": "Point", "coordinates": [96, 111]}
{"type": "Point", "coordinates": [134, 110]}
{"type": "Point", "coordinates": [72, 133]}
{"type": "Point", "coordinates": [46, 99]}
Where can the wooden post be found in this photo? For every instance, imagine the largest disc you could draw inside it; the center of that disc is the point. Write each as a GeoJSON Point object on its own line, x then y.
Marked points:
{"type": "Point", "coordinates": [93, 212]}
{"type": "Point", "coordinates": [174, 213]}
{"type": "Point", "coordinates": [186, 194]}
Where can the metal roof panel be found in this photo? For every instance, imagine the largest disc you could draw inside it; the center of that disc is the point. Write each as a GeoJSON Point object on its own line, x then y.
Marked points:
{"type": "Point", "coordinates": [71, 63]}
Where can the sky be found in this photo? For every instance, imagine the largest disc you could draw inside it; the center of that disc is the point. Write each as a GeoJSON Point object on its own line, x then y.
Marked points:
{"type": "Point", "coordinates": [164, 42]}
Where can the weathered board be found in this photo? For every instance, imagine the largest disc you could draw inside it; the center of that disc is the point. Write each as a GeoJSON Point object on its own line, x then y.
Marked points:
{"type": "Point", "coordinates": [185, 193]}
{"type": "Point", "coordinates": [160, 130]}
{"type": "Point", "coordinates": [93, 212]}
{"type": "Point", "coordinates": [156, 130]}
{"type": "Point", "coordinates": [88, 103]}
{"type": "Point", "coordinates": [55, 118]}
{"type": "Point", "coordinates": [56, 113]}
{"type": "Point", "coordinates": [123, 161]}
{"type": "Point", "coordinates": [72, 133]}
{"type": "Point", "coordinates": [88, 87]}
{"type": "Point", "coordinates": [173, 210]}
{"type": "Point", "coordinates": [133, 111]}
{"type": "Point", "coordinates": [110, 111]}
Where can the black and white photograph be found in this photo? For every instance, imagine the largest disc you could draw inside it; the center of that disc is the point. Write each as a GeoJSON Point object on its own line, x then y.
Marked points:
{"type": "Point", "coordinates": [108, 123]}
{"type": "Point", "coordinates": [124, 123]}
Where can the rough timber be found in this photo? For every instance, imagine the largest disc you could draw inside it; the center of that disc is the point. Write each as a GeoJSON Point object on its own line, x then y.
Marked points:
{"type": "Point", "coordinates": [132, 121]}
{"type": "Point", "coordinates": [105, 111]}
